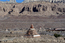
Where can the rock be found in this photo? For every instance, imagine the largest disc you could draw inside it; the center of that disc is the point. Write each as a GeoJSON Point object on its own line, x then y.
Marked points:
{"type": "Point", "coordinates": [14, 6]}
{"type": "Point", "coordinates": [22, 37]}
{"type": "Point", "coordinates": [55, 40]}
{"type": "Point", "coordinates": [44, 8]}
{"type": "Point", "coordinates": [34, 8]}
{"type": "Point", "coordinates": [64, 10]}
{"type": "Point", "coordinates": [60, 39]}
{"type": "Point", "coordinates": [53, 8]}
{"type": "Point", "coordinates": [10, 11]}
{"type": "Point", "coordinates": [22, 10]}
{"type": "Point", "coordinates": [60, 9]}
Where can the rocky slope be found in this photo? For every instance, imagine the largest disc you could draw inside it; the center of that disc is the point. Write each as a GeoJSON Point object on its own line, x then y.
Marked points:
{"type": "Point", "coordinates": [22, 15]}
{"type": "Point", "coordinates": [32, 9]}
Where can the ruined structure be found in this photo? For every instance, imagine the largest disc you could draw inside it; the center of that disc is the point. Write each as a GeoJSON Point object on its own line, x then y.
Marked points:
{"type": "Point", "coordinates": [25, 1]}
{"type": "Point", "coordinates": [13, 1]}
{"type": "Point", "coordinates": [44, 0]}
{"type": "Point", "coordinates": [32, 32]}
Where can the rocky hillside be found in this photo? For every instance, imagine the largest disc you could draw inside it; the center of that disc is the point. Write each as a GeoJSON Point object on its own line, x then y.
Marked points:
{"type": "Point", "coordinates": [43, 9]}
{"type": "Point", "coordinates": [22, 15]}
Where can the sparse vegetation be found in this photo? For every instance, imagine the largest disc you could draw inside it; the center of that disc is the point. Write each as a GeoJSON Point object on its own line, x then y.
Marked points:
{"type": "Point", "coordinates": [57, 35]}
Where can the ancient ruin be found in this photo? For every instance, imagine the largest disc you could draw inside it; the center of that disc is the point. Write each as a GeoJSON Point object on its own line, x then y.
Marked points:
{"type": "Point", "coordinates": [32, 32]}
{"type": "Point", "coordinates": [44, 0]}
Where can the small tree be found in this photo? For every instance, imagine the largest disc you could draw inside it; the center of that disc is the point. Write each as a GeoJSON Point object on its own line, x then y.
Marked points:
{"type": "Point", "coordinates": [57, 35]}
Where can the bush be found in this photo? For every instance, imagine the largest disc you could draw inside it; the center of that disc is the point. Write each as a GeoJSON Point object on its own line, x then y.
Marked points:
{"type": "Point", "coordinates": [57, 35]}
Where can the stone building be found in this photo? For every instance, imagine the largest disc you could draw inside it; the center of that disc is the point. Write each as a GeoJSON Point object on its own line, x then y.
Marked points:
{"type": "Point", "coordinates": [44, 0]}
{"type": "Point", "coordinates": [13, 1]}
{"type": "Point", "coordinates": [32, 33]}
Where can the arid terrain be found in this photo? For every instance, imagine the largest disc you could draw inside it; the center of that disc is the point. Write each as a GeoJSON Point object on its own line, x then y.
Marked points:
{"type": "Point", "coordinates": [21, 15]}
{"type": "Point", "coordinates": [44, 39]}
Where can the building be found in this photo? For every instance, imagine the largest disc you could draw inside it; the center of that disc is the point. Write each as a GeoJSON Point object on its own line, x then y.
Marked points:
{"type": "Point", "coordinates": [13, 1]}
{"type": "Point", "coordinates": [25, 1]}
{"type": "Point", "coordinates": [54, 1]}
{"type": "Point", "coordinates": [6, 29]}
{"type": "Point", "coordinates": [31, 33]}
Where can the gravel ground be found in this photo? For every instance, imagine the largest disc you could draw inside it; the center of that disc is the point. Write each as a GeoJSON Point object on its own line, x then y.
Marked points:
{"type": "Point", "coordinates": [42, 39]}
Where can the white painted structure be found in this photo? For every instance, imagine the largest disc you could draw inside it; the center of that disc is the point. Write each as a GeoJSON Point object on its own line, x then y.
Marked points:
{"type": "Point", "coordinates": [6, 29]}
{"type": "Point", "coordinates": [13, 1]}
{"type": "Point", "coordinates": [36, 35]}
{"type": "Point", "coordinates": [44, 0]}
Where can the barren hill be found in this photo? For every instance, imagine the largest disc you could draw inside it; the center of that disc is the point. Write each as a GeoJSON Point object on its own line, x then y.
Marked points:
{"type": "Point", "coordinates": [43, 9]}
{"type": "Point", "coordinates": [22, 15]}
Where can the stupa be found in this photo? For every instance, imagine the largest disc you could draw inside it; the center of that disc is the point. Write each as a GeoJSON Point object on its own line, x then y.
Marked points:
{"type": "Point", "coordinates": [32, 33]}
{"type": "Point", "coordinates": [6, 29]}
